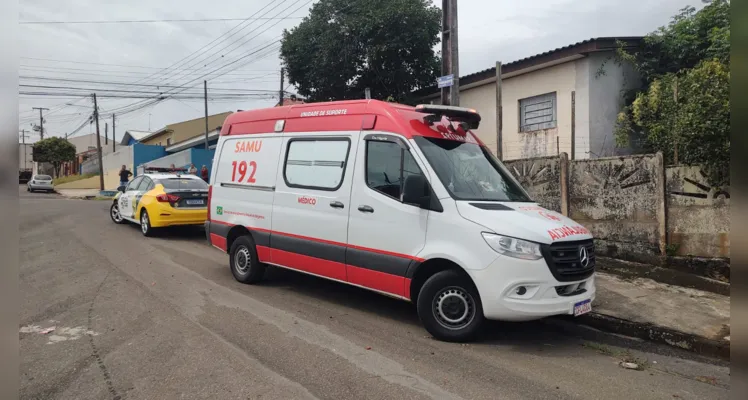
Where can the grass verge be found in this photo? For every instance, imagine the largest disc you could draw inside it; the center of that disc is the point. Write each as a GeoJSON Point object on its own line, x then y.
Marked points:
{"type": "Point", "coordinates": [71, 178]}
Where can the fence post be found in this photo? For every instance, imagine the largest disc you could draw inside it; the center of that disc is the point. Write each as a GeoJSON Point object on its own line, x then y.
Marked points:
{"type": "Point", "coordinates": [563, 160]}
{"type": "Point", "coordinates": [661, 187]}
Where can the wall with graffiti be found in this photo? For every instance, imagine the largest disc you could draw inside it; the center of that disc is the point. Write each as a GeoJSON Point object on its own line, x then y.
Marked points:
{"type": "Point", "coordinates": [636, 208]}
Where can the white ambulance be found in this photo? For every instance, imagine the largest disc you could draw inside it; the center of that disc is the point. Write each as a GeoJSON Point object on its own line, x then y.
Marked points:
{"type": "Point", "coordinates": [403, 201]}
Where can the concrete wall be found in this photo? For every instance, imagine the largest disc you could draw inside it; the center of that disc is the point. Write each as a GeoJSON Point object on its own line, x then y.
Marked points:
{"type": "Point", "coordinates": [483, 99]}
{"type": "Point", "coordinates": [606, 100]}
{"type": "Point", "coordinates": [698, 215]}
{"type": "Point", "coordinates": [202, 157]}
{"type": "Point", "coordinates": [180, 160]}
{"type": "Point", "coordinates": [143, 154]}
{"type": "Point", "coordinates": [621, 200]}
{"type": "Point", "coordinates": [541, 178]}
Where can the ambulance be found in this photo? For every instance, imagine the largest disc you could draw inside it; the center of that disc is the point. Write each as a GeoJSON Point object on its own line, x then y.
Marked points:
{"type": "Point", "coordinates": [404, 201]}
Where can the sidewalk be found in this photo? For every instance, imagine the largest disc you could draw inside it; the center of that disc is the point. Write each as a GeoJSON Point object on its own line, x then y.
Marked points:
{"type": "Point", "coordinates": [78, 193]}
{"type": "Point", "coordinates": [687, 318]}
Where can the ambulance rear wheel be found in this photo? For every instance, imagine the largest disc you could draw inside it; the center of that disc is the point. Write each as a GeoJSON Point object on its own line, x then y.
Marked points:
{"type": "Point", "coordinates": [245, 266]}
{"type": "Point", "coordinates": [449, 307]}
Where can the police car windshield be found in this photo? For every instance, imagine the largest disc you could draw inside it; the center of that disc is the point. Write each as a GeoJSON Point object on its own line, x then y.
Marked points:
{"type": "Point", "coordinates": [183, 184]}
{"type": "Point", "coordinates": [469, 171]}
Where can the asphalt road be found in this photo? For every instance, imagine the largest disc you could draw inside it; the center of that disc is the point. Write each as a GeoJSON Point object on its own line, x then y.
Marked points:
{"type": "Point", "coordinates": [162, 318]}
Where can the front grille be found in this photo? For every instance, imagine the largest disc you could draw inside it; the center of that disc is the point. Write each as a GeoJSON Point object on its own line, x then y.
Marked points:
{"type": "Point", "coordinates": [564, 262]}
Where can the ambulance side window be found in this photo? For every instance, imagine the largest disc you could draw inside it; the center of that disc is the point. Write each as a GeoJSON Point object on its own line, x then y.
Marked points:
{"type": "Point", "coordinates": [316, 163]}
{"type": "Point", "coordinates": [383, 167]}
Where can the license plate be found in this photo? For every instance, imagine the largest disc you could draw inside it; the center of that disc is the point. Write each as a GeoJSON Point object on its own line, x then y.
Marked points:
{"type": "Point", "coordinates": [195, 202]}
{"type": "Point", "coordinates": [583, 307]}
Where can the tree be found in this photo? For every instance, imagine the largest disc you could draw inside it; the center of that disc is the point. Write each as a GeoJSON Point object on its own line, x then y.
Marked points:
{"type": "Point", "coordinates": [342, 48]}
{"type": "Point", "coordinates": [683, 108]}
{"type": "Point", "coordinates": [55, 151]}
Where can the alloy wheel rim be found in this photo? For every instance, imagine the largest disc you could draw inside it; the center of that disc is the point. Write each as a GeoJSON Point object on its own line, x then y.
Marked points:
{"type": "Point", "coordinates": [115, 214]}
{"type": "Point", "coordinates": [144, 222]}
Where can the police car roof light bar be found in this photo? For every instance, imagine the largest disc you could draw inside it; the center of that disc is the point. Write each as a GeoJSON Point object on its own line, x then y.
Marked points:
{"type": "Point", "coordinates": [458, 114]}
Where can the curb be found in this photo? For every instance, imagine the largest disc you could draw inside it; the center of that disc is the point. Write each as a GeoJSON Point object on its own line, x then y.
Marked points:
{"type": "Point", "coordinates": [658, 334]}
{"type": "Point", "coordinates": [670, 276]}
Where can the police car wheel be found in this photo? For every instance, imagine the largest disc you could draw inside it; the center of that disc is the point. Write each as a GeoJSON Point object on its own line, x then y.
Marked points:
{"type": "Point", "coordinates": [115, 215]}
{"type": "Point", "coordinates": [145, 224]}
{"type": "Point", "coordinates": [449, 307]}
{"type": "Point", "coordinates": [245, 266]}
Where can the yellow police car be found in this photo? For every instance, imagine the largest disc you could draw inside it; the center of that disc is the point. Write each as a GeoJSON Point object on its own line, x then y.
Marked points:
{"type": "Point", "coordinates": [159, 198]}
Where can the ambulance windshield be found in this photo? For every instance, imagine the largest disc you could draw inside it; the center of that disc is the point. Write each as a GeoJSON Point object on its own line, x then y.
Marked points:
{"type": "Point", "coordinates": [470, 172]}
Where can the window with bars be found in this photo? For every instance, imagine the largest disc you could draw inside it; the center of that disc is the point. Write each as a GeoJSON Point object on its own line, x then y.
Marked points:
{"type": "Point", "coordinates": [537, 112]}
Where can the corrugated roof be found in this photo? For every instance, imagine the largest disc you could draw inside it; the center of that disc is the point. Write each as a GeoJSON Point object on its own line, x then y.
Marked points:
{"type": "Point", "coordinates": [583, 47]}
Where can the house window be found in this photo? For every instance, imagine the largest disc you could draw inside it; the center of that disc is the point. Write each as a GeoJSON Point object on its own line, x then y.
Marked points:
{"type": "Point", "coordinates": [316, 163]}
{"type": "Point", "coordinates": [537, 112]}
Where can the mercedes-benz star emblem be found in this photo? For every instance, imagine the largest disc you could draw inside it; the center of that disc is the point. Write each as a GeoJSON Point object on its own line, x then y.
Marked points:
{"type": "Point", "coordinates": [583, 257]}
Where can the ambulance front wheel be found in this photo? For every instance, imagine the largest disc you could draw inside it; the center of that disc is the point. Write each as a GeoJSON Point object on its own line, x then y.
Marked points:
{"type": "Point", "coordinates": [245, 266]}
{"type": "Point", "coordinates": [449, 307]}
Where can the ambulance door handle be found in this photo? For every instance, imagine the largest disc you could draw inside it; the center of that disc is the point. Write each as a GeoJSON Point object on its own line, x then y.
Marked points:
{"type": "Point", "coordinates": [366, 209]}
{"type": "Point", "coordinates": [336, 204]}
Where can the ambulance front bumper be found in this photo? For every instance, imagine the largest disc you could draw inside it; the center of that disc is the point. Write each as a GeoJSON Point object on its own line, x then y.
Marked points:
{"type": "Point", "coordinates": [522, 290]}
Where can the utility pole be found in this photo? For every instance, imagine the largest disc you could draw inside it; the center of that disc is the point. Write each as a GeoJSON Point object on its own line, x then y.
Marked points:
{"type": "Point", "coordinates": [106, 133]}
{"type": "Point", "coordinates": [114, 135]}
{"type": "Point", "coordinates": [41, 120]}
{"type": "Point", "coordinates": [205, 89]}
{"type": "Point", "coordinates": [98, 143]}
{"type": "Point", "coordinates": [367, 93]}
{"type": "Point", "coordinates": [450, 53]}
{"type": "Point", "coordinates": [280, 91]}
{"type": "Point", "coordinates": [499, 114]}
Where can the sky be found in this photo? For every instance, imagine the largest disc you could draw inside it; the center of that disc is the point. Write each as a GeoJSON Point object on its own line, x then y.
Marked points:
{"type": "Point", "coordinates": [238, 56]}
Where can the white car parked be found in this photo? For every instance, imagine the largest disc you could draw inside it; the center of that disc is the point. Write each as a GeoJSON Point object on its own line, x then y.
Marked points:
{"type": "Point", "coordinates": [40, 182]}
{"type": "Point", "coordinates": [403, 201]}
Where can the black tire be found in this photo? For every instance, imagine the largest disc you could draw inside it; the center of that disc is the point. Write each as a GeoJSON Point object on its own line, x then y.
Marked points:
{"type": "Point", "coordinates": [242, 250]}
{"type": "Point", "coordinates": [450, 294]}
{"type": "Point", "coordinates": [145, 224]}
{"type": "Point", "coordinates": [112, 214]}
{"type": "Point", "coordinates": [28, 189]}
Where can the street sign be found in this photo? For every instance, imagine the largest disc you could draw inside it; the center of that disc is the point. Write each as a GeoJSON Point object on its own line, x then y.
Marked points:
{"type": "Point", "coordinates": [445, 81]}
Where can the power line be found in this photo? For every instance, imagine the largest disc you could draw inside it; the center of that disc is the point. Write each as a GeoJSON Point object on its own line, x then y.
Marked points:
{"type": "Point", "coordinates": [113, 65]}
{"type": "Point", "coordinates": [146, 21]}
{"type": "Point", "coordinates": [189, 56]}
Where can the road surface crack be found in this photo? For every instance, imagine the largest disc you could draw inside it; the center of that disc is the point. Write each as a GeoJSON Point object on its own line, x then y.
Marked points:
{"type": "Point", "coordinates": [96, 354]}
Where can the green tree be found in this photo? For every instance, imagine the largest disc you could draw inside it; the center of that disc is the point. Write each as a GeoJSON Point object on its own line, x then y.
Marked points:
{"type": "Point", "coordinates": [683, 108]}
{"type": "Point", "coordinates": [55, 151]}
{"type": "Point", "coordinates": [341, 48]}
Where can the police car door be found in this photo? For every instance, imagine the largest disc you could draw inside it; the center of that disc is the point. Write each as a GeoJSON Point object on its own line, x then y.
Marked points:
{"type": "Point", "coordinates": [126, 199]}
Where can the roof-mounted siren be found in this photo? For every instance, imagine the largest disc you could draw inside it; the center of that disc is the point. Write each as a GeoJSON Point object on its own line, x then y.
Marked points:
{"type": "Point", "coordinates": [467, 117]}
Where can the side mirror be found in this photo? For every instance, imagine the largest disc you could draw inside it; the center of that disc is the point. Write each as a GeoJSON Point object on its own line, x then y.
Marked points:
{"type": "Point", "coordinates": [416, 191]}
{"type": "Point", "coordinates": [121, 189]}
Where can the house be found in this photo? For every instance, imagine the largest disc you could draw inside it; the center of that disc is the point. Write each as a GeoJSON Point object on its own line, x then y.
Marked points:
{"type": "Point", "coordinates": [563, 100]}
{"type": "Point", "coordinates": [293, 100]}
{"type": "Point", "coordinates": [131, 137]}
{"type": "Point", "coordinates": [181, 131]}
{"type": "Point", "coordinates": [86, 143]}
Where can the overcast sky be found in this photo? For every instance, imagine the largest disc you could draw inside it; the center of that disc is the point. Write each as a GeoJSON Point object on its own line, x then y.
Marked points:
{"type": "Point", "coordinates": [490, 31]}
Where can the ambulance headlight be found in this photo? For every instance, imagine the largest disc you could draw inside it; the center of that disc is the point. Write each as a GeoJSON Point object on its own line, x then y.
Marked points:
{"type": "Point", "coordinates": [513, 247]}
